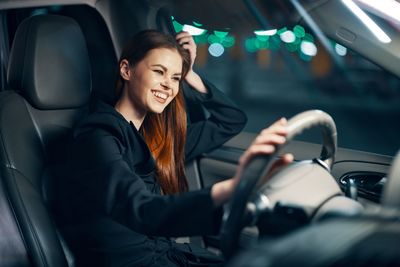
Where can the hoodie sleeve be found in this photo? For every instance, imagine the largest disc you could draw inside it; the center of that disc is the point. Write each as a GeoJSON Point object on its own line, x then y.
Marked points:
{"type": "Point", "coordinates": [225, 121]}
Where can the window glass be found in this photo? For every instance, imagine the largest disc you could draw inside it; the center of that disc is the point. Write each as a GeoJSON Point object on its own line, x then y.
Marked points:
{"type": "Point", "coordinates": [288, 70]}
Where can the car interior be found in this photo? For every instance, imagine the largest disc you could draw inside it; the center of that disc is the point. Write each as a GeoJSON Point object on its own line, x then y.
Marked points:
{"type": "Point", "coordinates": [62, 54]}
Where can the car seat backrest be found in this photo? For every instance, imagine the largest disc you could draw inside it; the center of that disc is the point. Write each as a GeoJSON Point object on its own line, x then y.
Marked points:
{"type": "Point", "coordinates": [49, 74]}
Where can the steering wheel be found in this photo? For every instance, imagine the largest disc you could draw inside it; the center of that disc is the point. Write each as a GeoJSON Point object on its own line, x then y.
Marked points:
{"type": "Point", "coordinates": [286, 184]}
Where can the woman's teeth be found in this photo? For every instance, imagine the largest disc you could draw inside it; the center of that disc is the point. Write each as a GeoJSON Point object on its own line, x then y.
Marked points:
{"type": "Point", "coordinates": [160, 95]}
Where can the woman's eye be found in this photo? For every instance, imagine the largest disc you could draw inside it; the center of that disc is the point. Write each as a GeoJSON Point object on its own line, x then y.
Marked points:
{"type": "Point", "coordinates": [159, 71]}
{"type": "Point", "coordinates": [176, 79]}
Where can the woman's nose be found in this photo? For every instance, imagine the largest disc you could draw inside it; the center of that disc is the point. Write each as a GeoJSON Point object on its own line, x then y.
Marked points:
{"type": "Point", "coordinates": [166, 83]}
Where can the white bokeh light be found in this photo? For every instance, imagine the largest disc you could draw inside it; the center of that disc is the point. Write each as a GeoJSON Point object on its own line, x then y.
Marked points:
{"type": "Point", "coordinates": [308, 48]}
{"type": "Point", "coordinates": [340, 50]}
{"type": "Point", "coordinates": [193, 30]}
{"type": "Point", "coordinates": [288, 37]}
{"type": "Point", "coordinates": [216, 49]}
{"type": "Point", "coordinates": [266, 33]}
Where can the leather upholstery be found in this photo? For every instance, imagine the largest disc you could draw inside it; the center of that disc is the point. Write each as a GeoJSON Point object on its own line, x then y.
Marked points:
{"type": "Point", "coordinates": [59, 81]}
{"type": "Point", "coordinates": [50, 74]}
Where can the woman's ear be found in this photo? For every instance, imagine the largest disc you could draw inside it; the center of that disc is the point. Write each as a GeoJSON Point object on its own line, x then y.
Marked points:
{"type": "Point", "coordinates": [125, 70]}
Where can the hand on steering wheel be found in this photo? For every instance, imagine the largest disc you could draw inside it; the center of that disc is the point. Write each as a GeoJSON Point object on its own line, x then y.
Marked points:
{"type": "Point", "coordinates": [257, 162]}
{"type": "Point", "coordinates": [264, 144]}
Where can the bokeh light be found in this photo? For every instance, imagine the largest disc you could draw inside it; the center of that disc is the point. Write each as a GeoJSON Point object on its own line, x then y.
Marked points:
{"type": "Point", "coordinates": [340, 50]}
{"type": "Point", "coordinates": [288, 37]}
{"type": "Point", "coordinates": [216, 49]}
{"type": "Point", "coordinates": [266, 33]}
{"type": "Point", "coordinates": [194, 31]}
{"type": "Point", "coordinates": [308, 48]}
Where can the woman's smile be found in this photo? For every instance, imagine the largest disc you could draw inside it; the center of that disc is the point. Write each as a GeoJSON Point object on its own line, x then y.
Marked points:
{"type": "Point", "coordinates": [160, 96]}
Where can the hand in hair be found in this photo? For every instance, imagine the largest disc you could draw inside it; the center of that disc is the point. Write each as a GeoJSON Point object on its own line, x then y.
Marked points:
{"type": "Point", "coordinates": [264, 144]}
{"type": "Point", "coordinates": [192, 78]}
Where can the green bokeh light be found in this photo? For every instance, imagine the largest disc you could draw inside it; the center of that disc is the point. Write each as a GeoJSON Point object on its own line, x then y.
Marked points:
{"type": "Point", "coordinates": [177, 26]}
{"type": "Point", "coordinates": [212, 39]}
{"type": "Point", "coordinates": [220, 34]}
{"type": "Point", "coordinates": [299, 31]}
{"type": "Point", "coordinates": [292, 47]}
{"type": "Point", "coordinates": [280, 31]}
{"type": "Point", "coordinates": [263, 38]}
{"type": "Point", "coordinates": [228, 41]}
{"type": "Point", "coordinates": [308, 37]}
{"type": "Point", "coordinates": [261, 44]}
{"type": "Point", "coordinates": [197, 24]}
{"type": "Point", "coordinates": [275, 42]}
{"type": "Point", "coordinates": [297, 41]}
{"type": "Point", "coordinates": [201, 39]}
{"type": "Point", "coordinates": [250, 45]}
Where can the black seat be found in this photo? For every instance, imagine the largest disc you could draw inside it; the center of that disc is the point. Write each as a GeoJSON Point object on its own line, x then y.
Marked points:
{"type": "Point", "coordinates": [49, 74]}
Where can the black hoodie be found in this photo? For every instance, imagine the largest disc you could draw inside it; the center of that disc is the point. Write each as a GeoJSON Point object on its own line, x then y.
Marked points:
{"type": "Point", "coordinates": [111, 210]}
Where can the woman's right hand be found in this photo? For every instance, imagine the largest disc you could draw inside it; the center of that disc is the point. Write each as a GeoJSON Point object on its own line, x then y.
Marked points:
{"type": "Point", "coordinates": [264, 144]}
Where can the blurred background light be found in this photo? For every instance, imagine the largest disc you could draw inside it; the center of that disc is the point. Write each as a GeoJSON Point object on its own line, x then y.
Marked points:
{"type": "Point", "coordinates": [299, 31]}
{"type": "Point", "coordinates": [216, 49]}
{"type": "Point", "coordinates": [177, 26]}
{"type": "Point", "coordinates": [193, 30]}
{"type": "Point", "coordinates": [250, 45]}
{"type": "Point", "coordinates": [266, 33]}
{"type": "Point", "coordinates": [220, 34]}
{"type": "Point", "coordinates": [228, 41]}
{"type": "Point", "coordinates": [212, 39]}
{"type": "Point", "coordinates": [197, 24]}
{"type": "Point", "coordinates": [308, 48]}
{"type": "Point", "coordinates": [340, 50]}
{"type": "Point", "coordinates": [288, 37]}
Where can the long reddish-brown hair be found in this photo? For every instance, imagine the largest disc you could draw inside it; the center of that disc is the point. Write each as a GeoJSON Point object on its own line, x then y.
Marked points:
{"type": "Point", "coordinates": [165, 133]}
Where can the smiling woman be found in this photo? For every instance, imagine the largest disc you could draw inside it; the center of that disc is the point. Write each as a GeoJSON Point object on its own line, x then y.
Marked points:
{"type": "Point", "coordinates": [127, 162]}
{"type": "Point", "coordinates": [150, 84]}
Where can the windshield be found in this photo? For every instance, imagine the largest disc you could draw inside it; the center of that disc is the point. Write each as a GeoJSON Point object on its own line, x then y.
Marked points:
{"type": "Point", "coordinates": [286, 64]}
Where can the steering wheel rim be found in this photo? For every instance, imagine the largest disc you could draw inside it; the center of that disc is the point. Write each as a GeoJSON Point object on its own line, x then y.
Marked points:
{"type": "Point", "coordinates": [260, 165]}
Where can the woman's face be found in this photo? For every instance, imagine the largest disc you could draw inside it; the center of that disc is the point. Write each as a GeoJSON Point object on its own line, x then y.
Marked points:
{"type": "Point", "coordinates": [154, 82]}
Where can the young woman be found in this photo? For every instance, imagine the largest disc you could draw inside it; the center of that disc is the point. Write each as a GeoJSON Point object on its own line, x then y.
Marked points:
{"type": "Point", "coordinates": [126, 191]}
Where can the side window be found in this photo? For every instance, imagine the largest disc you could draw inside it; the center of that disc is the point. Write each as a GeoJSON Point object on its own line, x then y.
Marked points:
{"type": "Point", "coordinates": [284, 71]}
{"type": "Point", "coordinates": [101, 50]}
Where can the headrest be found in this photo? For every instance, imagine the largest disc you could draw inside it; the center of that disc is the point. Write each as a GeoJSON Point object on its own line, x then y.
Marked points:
{"type": "Point", "coordinates": [49, 63]}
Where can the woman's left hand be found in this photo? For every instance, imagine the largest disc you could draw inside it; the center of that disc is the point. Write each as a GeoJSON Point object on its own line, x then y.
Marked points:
{"type": "Point", "coordinates": [185, 40]}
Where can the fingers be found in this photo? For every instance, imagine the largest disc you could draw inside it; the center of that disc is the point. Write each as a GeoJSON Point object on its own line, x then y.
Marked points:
{"type": "Point", "coordinates": [282, 161]}
{"type": "Point", "coordinates": [265, 143]}
{"type": "Point", "coordinates": [278, 165]}
{"type": "Point", "coordinates": [270, 138]}
{"type": "Point", "coordinates": [186, 40]}
{"type": "Point", "coordinates": [182, 34]}
{"type": "Point", "coordinates": [274, 134]}
{"type": "Point", "coordinates": [287, 158]}
{"type": "Point", "coordinates": [278, 127]}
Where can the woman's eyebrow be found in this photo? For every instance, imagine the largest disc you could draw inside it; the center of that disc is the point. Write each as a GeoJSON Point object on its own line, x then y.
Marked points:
{"type": "Point", "coordinates": [164, 68]}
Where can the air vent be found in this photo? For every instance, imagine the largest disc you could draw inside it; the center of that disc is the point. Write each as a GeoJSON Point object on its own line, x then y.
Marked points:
{"type": "Point", "coordinates": [369, 184]}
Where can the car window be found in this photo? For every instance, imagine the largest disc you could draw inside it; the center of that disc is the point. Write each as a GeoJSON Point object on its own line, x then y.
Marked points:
{"type": "Point", "coordinates": [288, 69]}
